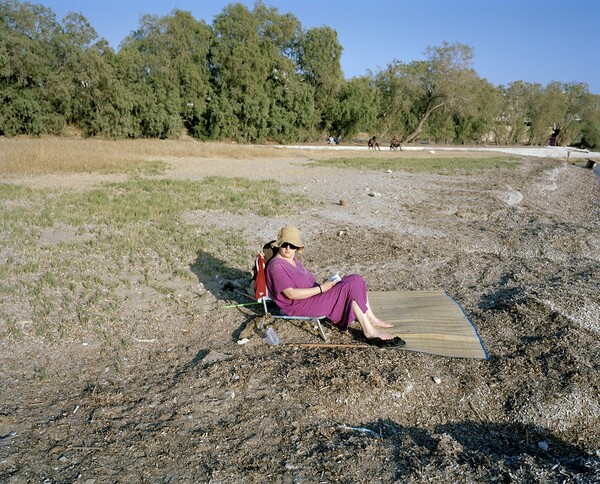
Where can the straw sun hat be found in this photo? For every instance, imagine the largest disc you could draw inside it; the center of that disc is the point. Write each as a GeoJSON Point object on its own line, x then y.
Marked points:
{"type": "Point", "coordinates": [291, 235]}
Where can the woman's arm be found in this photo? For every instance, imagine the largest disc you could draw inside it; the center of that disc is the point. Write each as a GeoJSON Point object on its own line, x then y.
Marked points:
{"type": "Point", "coordinates": [306, 292]}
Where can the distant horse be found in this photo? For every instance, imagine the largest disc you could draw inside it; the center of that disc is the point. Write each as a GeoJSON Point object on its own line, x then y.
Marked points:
{"type": "Point", "coordinates": [395, 144]}
{"type": "Point", "coordinates": [372, 143]}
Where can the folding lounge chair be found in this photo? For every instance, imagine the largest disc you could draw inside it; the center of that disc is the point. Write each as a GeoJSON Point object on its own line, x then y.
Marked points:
{"type": "Point", "coordinates": [262, 295]}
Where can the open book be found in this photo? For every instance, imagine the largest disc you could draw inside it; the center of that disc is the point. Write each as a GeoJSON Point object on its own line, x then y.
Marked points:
{"type": "Point", "coordinates": [335, 278]}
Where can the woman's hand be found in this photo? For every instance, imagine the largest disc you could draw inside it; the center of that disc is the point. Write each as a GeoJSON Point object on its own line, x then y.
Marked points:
{"type": "Point", "coordinates": [303, 293]}
{"type": "Point", "coordinates": [327, 285]}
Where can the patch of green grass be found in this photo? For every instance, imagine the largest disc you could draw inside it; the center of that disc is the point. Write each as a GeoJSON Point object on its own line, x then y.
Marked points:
{"type": "Point", "coordinates": [41, 373]}
{"type": "Point", "coordinates": [10, 191]}
{"type": "Point", "coordinates": [134, 231]}
{"type": "Point", "coordinates": [218, 244]}
{"type": "Point", "coordinates": [440, 166]}
{"type": "Point", "coordinates": [147, 168]}
{"type": "Point", "coordinates": [183, 274]}
{"type": "Point", "coordinates": [8, 326]}
{"type": "Point", "coordinates": [148, 201]}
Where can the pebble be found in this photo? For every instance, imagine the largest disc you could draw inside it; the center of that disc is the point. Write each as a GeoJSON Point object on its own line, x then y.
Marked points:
{"type": "Point", "coordinates": [543, 445]}
{"type": "Point", "coordinates": [243, 341]}
{"type": "Point", "coordinates": [437, 379]}
{"type": "Point", "coordinates": [214, 357]}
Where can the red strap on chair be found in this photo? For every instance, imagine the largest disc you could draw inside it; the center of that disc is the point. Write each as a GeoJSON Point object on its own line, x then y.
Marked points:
{"type": "Point", "coordinates": [260, 284]}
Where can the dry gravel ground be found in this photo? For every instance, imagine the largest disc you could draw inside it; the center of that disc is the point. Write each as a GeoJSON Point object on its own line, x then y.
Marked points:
{"type": "Point", "coordinates": [519, 249]}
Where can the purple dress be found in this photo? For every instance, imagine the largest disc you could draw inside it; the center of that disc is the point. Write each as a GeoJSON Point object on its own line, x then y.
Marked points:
{"type": "Point", "coordinates": [335, 304]}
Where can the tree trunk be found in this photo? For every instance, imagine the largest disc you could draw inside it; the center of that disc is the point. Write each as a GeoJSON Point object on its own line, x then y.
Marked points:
{"type": "Point", "coordinates": [424, 118]}
{"type": "Point", "coordinates": [386, 127]}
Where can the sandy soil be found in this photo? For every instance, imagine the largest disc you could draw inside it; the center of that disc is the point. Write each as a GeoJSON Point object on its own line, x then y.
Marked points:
{"type": "Point", "coordinates": [518, 249]}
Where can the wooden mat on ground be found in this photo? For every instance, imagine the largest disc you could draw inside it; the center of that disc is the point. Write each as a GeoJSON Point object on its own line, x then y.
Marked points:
{"type": "Point", "coordinates": [429, 322]}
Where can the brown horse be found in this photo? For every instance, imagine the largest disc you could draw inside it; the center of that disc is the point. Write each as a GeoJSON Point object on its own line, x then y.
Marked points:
{"type": "Point", "coordinates": [372, 143]}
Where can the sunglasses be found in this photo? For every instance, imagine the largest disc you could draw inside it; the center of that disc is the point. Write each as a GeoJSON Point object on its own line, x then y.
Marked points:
{"type": "Point", "coordinates": [286, 245]}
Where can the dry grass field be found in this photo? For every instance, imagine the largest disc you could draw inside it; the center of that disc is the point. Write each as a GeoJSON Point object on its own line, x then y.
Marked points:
{"type": "Point", "coordinates": [42, 156]}
{"type": "Point", "coordinates": [119, 358]}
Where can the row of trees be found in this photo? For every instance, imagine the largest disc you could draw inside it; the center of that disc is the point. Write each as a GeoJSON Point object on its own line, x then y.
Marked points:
{"type": "Point", "coordinates": [257, 75]}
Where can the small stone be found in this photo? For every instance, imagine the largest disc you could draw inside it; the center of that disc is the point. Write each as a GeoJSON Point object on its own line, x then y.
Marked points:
{"type": "Point", "coordinates": [543, 445]}
{"type": "Point", "coordinates": [342, 202]}
{"type": "Point", "coordinates": [437, 380]}
{"type": "Point", "coordinates": [214, 357]}
{"type": "Point", "coordinates": [432, 152]}
{"type": "Point", "coordinates": [243, 341]}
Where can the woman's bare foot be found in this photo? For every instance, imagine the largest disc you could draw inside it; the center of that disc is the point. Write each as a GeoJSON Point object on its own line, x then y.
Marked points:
{"type": "Point", "coordinates": [368, 329]}
{"type": "Point", "coordinates": [378, 323]}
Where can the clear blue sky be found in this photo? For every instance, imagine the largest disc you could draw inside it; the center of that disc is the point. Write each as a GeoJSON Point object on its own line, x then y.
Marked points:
{"type": "Point", "coordinates": [529, 40]}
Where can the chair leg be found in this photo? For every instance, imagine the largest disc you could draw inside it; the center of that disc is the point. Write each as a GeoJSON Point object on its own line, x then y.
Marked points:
{"type": "Point", "coordinates": [266, 318]}
{"type": "Point", "coordinates": [320, 326]}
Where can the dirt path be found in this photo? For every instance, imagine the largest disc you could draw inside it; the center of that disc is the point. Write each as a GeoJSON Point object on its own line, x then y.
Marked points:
{"type": "Point", "coordinates": [518, 249]}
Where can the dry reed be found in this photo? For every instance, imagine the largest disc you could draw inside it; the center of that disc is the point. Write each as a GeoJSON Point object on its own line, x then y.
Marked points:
{"type": "Point", "coordinates": [46, 155]}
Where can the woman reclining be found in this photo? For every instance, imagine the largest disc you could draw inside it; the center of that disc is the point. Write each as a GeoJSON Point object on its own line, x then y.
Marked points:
{"type": "Point", "coordinates": [295, 290]}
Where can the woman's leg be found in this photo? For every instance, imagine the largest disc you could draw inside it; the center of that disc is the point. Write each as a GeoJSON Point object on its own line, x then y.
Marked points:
{"type": "Point", "coordinates": [367, 328]}
{"type": "Point", "coordinates": [375, 321]}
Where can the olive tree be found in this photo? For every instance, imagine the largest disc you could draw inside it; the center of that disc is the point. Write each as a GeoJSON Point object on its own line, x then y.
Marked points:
{"type": "Point", "coordinates": [318, 57]}
{"type": "Point", "coordinates": [590, 125]}
{"type": "Point", "coordinates": [33, 80]}
{"type": "Point", "coordinates": [411, 93]}
{"type": "Point", "coordinates": [164, 66]}
{"type": "Point", "coordinates": [475, 121]}
{"type": "Point", "coordinates": [582, 113]}
{"type": "Point", "coordinates": [515, 117]}
{"type": "Point", "coordinates": [258, 93]}
{"type": "Point", "coordinates": [354, 109]}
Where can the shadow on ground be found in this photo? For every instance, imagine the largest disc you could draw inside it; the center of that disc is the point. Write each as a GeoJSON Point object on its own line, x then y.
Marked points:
{"type": "Point", "coordinates": [503, 448]}
{"type": "Point", "coordinates": [229, 285]}
{"type": "Point", "coordinates": [226, 283]}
